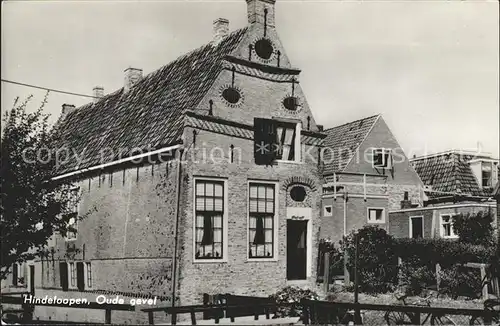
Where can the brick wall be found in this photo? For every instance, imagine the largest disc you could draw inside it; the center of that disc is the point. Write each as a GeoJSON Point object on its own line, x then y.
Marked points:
{"type": "Point", "coordinates": [127, 233]}
{"type": "Point", "coordinates": [239, 275]}
{"type": "Point", "coordinates": [399, 220]}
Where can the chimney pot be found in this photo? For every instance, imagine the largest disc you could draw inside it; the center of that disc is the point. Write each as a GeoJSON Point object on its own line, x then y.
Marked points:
{"type": "Point", "coordinates": [132, 77]}
{"type": "Point", "coordinates": [97, 93]}
{"type": "Point", "coordinates": [320, 127]}
{"type": "Point", "coordinates": [221, 29]}
{"type": "Point", "coordinates": [67, 108]}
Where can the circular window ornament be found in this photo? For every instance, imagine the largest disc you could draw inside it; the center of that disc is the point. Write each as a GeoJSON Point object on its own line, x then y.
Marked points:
{"type": "Point", "coordinates": [232, 95]}
{"type": "Point", "coordinates": [298, 193]}
{"type": "Point", "coordinates": [291, 103]}
{"type": "Point", "coordinates": [264, 48]}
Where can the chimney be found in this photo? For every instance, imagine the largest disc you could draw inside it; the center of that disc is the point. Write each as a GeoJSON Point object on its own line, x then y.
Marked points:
{"type": "Point", "coordinates": [67, 108]}
{"type": "Point", "coordinates": [260, 11]}
{"type": "Point", "coordinates": [97, 93]}
{"type": "Point", "coordinates": [132, 77]}
{"type": "Point", "coordinates": [221, 29]}
{"type": "Point", "coordinates": [406, 203]}
{"type": "Point", "coordinates": [320, 128]}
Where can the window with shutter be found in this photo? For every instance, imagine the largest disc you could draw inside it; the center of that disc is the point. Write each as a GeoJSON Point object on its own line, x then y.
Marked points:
{"type": "Point", "coordinates": [276, 140]}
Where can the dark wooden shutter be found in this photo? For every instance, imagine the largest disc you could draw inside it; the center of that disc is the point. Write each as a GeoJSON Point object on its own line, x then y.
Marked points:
{"type": "Point", "coordinates": [80, 280]}
{"type": "Point", "coordinates": [15, 275]}
{"type": "Point", "coordinates": [63, 275]}
{"type": "Point", "coordinates": [264, 141]}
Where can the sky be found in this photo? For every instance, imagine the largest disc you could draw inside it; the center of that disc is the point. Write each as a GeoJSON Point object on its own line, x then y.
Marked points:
{"type": "Point", "coordinates": [431, 68]}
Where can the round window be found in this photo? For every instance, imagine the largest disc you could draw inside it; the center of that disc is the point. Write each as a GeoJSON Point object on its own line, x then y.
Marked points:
{"type": "Point", "coordinates": [290, 103]}
{"type": "Point", "coordinates": [232, 95]}
{"type": "Point", "coordinates": [264, 48]}
{"type": "Point", "coordinates": [298, 193]}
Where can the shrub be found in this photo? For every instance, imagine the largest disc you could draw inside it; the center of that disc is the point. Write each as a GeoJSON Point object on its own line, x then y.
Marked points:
{"type": "Point", "coordinates": [414, 277]}
{"type": "Point", "coordinates": [461, 281]}
{"type": "Point", "coordinates": [377, 264]}
{"type": "Point", "coordinates": [474, 229]}
{"type": "Point", "coordinates": [292, 295]}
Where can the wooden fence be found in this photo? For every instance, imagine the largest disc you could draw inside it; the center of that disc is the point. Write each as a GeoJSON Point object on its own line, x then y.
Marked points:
{"type": "Point", "coordinates": [27, 309]}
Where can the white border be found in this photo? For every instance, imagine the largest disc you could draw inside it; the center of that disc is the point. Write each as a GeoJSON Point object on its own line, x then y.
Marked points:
{"type": "Point", "coordinates": [441, 231]}
{"type": "Point", "coordinates": [276, 219]}
{"type": "Point", "coordinates": [411, 227]}
{"type": "Point", "coordinates": [375, 222]}
{"type": "Point", "coordinates": [224, 222]}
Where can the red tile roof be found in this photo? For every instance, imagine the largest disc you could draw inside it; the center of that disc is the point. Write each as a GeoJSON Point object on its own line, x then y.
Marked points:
{"type": "Point", "coordinates": [343, 141]}
{"type": "Point", "coordinates": [150, 115]}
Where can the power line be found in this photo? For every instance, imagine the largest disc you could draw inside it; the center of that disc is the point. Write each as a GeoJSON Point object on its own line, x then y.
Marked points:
{"type": "Point", "coordinates": [45, 88]}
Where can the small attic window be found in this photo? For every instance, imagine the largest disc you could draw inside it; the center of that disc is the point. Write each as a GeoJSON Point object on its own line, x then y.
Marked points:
{"type": "Point", "coordinates": [290, 103]}
{"type": "Point", "coordinates": [264, 48]}
{"type": "Point", "coordinates": [232, 95]}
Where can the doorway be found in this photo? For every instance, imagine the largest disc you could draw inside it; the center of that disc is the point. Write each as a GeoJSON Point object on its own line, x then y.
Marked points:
{"type": "Point", "coordinates": [296, 252]}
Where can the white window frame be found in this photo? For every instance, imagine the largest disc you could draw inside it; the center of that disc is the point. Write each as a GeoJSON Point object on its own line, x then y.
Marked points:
{"type": "Point", "coordinates": [225, 253]}
{"type": "Point", "coordinates": [77, 210]}
{"type": "Point", "coordinates": [325, 213]}
{"type": "Point", "coordinates": [275, 220]}
{"type": "Point", "coordinates": [298, 145]}
{"type": "Point", "coordinates": [411, 225]}
{"type": "Point", "coordinates": [86, 274]}
{"type": "Point", "coordinates": [441, 229]}
{"type": "Point", "coordinates": [375, 222]}
{"type": "Point", "coordinates": [385, 165]}
{"type": "Point", "coordinates": [70, 286]}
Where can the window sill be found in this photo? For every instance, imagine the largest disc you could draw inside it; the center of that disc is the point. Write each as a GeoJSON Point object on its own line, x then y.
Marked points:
{"type": "Point", "coordinates": [69, 240]}
{"type": "Point", "coordinates": [449, 236]}
{"type": "Point", "coordinates": [289, 162]}
{"type": "Point", "coordinates": [210, 261]}
{"type": "Point", "coordinates": [377, 222]}
{"type": "Point", "coordinates": [259, 260]}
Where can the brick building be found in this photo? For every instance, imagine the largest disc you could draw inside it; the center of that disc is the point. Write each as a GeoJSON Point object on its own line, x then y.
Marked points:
{"type": "Point", "coordinates": [366, 175]}
{"type": "Point", "coordinates": [201, 177]}
{"type": "Point", "coordinates": [456, 182]}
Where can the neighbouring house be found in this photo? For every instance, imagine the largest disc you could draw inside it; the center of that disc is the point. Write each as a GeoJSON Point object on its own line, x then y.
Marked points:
{"type": "Point", "coordinates": [201, 177]}
{"type": "Point", "coordinates": [366, 175]}
{"type": "Point", "coordinates": [456, 182]}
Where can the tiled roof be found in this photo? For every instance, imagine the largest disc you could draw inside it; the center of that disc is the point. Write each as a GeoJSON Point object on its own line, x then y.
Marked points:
{"type": "Point", "coordinates": [448, 173]}
{"type": "Point", "coordinates": [343, 141]}
{"type": "Point", "coordinates": [148, 116]}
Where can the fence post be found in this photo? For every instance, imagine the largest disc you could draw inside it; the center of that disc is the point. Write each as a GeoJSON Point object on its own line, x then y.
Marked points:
{"type": "Point", "coordinates": [438, 276]}
{"type": "Point", "coordinates": [326, 273]}
{"type": "Point", "coordinates": [347, 278]}
{"type": "Point", "coordinates": [484, 288]}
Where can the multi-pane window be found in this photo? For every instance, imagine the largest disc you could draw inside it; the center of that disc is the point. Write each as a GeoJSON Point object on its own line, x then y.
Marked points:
{"type": "Point", "coordinates": [286, 134]}
{"type": "Point", "coordinates": [72, 274]}
{"type": "Point", "coordinates": [89, 274]}
{"type": "Point", "coordinates": [209, 207]}
{"type": "Point", "coordinates": [381, 158]}
{"type": "Point", "coordinates": [72, 227]}
{"type": "Point", "coordinates": [376, 215]}
{"type": "Point", "coordinates": [261, 220]}
{"type": "Point", "coordinates": [447, 228]}
{"type": "Point", "coordinates": [486, 174]}
{"type": "Point", "coordinates": [73, 215]}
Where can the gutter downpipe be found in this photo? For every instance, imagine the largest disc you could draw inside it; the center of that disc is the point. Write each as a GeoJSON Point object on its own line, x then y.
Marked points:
{"type": "Point", "coordinates": [177, 217]}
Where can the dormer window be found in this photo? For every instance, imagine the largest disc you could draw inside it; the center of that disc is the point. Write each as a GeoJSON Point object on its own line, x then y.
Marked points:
{"type": "Point", "coordinates": [486, 174]}
{"type": "Point", "coordinates": [381, 158]}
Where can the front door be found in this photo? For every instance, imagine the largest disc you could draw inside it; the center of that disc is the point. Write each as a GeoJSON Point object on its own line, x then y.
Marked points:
{"type": "Point", "coordinates": [296, 252]}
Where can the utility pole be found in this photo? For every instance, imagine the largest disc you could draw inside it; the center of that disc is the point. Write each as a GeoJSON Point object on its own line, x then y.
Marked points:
{"type": "Point", "coordinates": [357, 313]}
